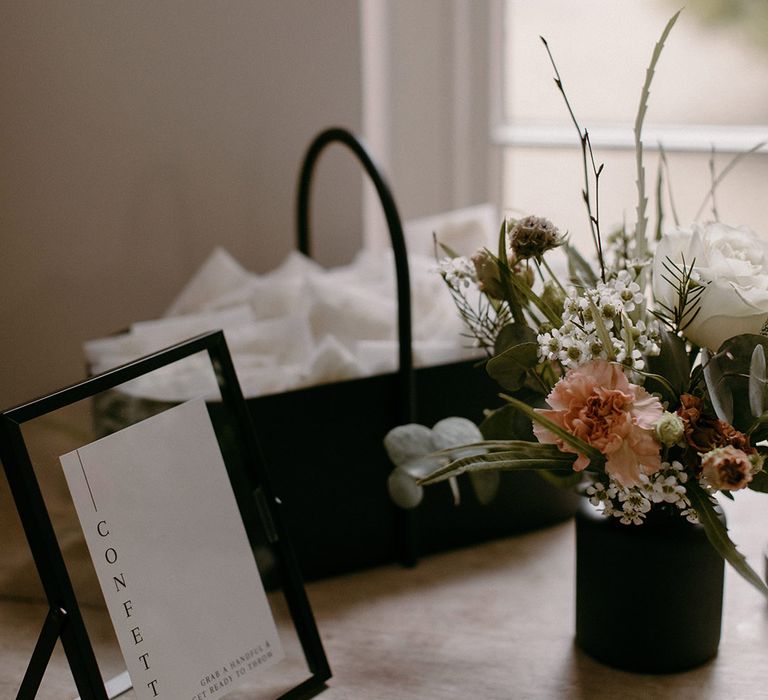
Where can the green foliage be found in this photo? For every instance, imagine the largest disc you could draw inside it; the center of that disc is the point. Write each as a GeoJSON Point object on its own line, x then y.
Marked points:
{"type": "Point", "coordinates": [506, 421]}
{"type": "Point", "coordinates": [717, 533]}
{"type": "Point", "coordinates": [513, 334]}
{"type": "Point", "coordinates": [669, 372]}
{"type": "Point", "coordinates": [673, 364]}
{"type": "Point", "coordinates": [511, 296]}
{"type": "Point", "coordinates": [579, 270]}
{"type": "Point", "coordinates": [735, 359]}
{"type": "Point", "coordinates": [506, 324]}
{"type": "Point", "coordinates": [483, 319]}
{"type": "Point", "coordinates": [720, 394]}
{"type": "Point", "coordinates": [641, 243]}
{"type": "Point", "coordinates": [757, 381]}
{"type": "Point", "coordinates": [597, 460]}
{"type": "Point", "coordinates": [759, 429]}
{"type": "Point", "coordinates": [519, 455]}
{"type": "Point", "coordinates": [759, 482]}
{"type": "Point", "coordinates": [510, 369]}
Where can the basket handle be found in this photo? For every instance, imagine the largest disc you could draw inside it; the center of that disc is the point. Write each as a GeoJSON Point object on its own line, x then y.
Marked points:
{"type": "Point", "coordinates": [404, 332]}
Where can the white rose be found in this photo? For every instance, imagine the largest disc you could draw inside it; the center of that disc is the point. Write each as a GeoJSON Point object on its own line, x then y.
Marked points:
{"type": "Point", "coordinates": [734, 263]}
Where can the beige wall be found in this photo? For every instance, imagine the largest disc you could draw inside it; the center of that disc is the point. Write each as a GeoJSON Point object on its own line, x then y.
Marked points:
{"type": "Point", "coordinates": [135, 136]}
{"type": "Point", "coordinates": [440, 155]}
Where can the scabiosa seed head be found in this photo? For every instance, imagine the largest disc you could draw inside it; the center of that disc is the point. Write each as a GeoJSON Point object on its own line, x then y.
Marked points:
{"type": "Point", "coordinates": [533, 236]}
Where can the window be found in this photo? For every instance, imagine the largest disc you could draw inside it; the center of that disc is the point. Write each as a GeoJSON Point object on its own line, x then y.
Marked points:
{"type": "Point", "coordinates": [709, 91]}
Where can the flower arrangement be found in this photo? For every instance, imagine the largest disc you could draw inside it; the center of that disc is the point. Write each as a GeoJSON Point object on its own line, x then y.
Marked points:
{"type": "Point", "coordinates": [640, 380]}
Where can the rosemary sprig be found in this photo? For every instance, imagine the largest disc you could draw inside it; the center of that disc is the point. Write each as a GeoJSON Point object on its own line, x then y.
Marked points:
{"type": "Point", "coordinates": [688, 293]}
{"type": "Point", "coordinates": [484, 321]}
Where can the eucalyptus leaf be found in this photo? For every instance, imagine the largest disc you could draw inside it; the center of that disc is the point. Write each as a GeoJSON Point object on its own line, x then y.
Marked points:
{"type": "Point", "coordinates": [453, 432]}
{"type": "Point", "coordinates": [717, 533]}
{"type": "Point", "coordinates": [403, 489]}
{"type": "Point", "coordinates": [513, 334]}
{"type": "Point", "coordinates": [407, 442]}
{"type": "Point", "coordinates": [719, 392]}
{"type": "Point", "coordinates": [418, 451]}
{"type": "Point", "coordinates": [511, 367]}
{"type": "Point", "coordinates": [757, 381]}
{"type": "Point", "coordinates": [735, 359]}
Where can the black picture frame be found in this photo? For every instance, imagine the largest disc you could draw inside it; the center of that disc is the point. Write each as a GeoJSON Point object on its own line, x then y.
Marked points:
{"type": "Point", "coordinates": [251, 485]}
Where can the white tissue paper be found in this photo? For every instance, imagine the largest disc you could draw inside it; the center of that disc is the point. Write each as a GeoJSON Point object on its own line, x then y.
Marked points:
{"type": "Point", "coordinates": [301, 324]}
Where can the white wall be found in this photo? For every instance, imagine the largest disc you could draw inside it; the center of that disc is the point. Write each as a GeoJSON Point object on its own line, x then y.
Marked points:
{"type": "Point", "coordinates": [135, 136]}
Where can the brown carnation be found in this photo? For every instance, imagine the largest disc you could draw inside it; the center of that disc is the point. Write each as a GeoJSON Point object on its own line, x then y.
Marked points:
{"type": "Point", "coordinates": [730, 436]}
{"type": "Point", "coordinates": [701, 432]}
{"type": "Point", "coordinates": [704, 433]}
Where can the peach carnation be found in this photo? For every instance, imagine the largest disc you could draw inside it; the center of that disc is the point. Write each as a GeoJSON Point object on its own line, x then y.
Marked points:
{"type": "Point", "coordinates": [596, 403]}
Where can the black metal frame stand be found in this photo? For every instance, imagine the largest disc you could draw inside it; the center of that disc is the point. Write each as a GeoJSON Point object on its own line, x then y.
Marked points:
{"type": "Point", "coordinates": [64, 620]}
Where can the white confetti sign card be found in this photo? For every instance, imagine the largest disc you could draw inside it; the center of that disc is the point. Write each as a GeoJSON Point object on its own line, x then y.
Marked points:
{"type": "Point", "coordinates": [172, 556]}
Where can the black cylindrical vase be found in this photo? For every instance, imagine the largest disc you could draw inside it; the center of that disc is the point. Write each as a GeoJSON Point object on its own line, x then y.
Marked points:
{"type": "Point", "coordinates": [649, 597]}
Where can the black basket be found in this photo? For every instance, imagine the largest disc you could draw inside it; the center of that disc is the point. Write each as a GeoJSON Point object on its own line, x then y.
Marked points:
{"type": "Point", "coordinates": [323, 445]}
{"type": "Point", "coordinates": [336, 502]}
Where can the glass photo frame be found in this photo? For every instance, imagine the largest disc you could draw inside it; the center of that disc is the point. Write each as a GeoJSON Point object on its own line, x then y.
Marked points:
{"type": "Point", "coordinates": [66, 443]}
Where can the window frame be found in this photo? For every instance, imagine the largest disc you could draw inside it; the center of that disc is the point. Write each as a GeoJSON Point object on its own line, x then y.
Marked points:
{"type": "Point", "coordinates": [614, 136]}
